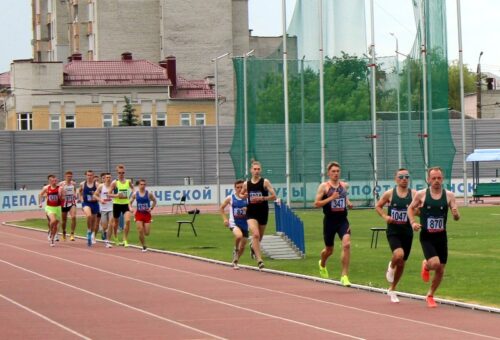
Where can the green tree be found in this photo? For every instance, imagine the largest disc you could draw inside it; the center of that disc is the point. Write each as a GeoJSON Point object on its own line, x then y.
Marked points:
{"type": "Point", "coordinates": [129, 118]}
{"type": "Point", "coordinates": [454, 84]}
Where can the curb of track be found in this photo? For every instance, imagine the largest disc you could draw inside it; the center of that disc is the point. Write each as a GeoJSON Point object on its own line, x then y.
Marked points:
{"type": "Point", "coordinates": [295, 275]}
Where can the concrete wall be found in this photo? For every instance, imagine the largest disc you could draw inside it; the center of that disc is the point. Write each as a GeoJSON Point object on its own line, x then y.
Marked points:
{"type": "Point", "coordinates": [489, 106]}
{"type": "Point", "coordinates": [128, 25]}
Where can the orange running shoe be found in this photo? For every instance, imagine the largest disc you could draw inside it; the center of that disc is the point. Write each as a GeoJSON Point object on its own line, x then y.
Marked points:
{"type": "Point", "coordinates": [430, 301]}
{"type": "Point", "coordinates": [425, 272]}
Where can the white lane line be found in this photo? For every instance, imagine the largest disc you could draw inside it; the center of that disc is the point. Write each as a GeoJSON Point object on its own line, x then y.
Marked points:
{"type": "Point", "coordinates": [46, 318]}
{"type": "Point", "coordinates": [174, 290]}
{"type": "Point", "coordinates": [110, 300]}
{"type": "Point", "coordinates": [275, 291]}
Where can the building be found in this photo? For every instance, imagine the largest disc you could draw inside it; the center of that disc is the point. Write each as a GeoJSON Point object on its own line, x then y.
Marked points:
{"type": "Point", "coordinates": [4, 92]}
{"type": "Point", "coordinates": [90, 94]}
{"type": "Point", "coordinates": [151, 30]}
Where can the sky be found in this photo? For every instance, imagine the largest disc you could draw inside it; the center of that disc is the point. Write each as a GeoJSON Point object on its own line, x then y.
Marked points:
{"type": "Point", "coordinates": [479, 18]}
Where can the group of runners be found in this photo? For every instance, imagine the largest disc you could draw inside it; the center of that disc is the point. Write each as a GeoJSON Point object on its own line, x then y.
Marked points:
{"type": "Point", "coordinates": [248, 209]}
{"type": "Point", "coordinates": [104, 202]}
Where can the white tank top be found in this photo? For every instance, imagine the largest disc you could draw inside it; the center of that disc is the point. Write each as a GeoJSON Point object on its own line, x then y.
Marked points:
{"type": "Point", "coordinates": [108, 206]}
{"type": "Point", "coordinates": [69, 193]}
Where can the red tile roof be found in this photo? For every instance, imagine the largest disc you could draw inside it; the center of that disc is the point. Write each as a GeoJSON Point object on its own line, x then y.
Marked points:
{"type": "Point", "coordinates": [5, 79]}
{"type": "Point", "coordinates": [115, 73]}
{"type": "Point", "coordinates": [133, 73]}
{"type": "Point", "coordinates": [193, 90]}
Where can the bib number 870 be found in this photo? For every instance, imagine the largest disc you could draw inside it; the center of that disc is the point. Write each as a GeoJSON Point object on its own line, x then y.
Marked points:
{"type": "Point", "coordinates": [435, 224]}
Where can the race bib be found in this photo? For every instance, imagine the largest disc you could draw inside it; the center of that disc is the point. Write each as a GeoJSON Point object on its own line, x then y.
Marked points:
{"type": "Point", "coordinates": [142, 206]}
{"type": "Point", "coordinates": [255, 196]}
{"type": "Point", "coordinates": [239, 212]}
{"type": "Point", "coordinates": [338, 204]}
{"type": "Point", "coordinates": [435, 224]}
{"type": "Point", "coordinates": [90, 198]}
{"type": "Point", "coordinates": [399, 216]}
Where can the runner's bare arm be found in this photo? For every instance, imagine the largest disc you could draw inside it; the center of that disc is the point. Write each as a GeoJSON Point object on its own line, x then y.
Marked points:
{"type": "Point", "coordinates": [319, 202]}
{"type": "Point", "coordinates": [97, 193]}
{"type": "Point", "coordinates": [452, 203]}
{"type": "Point", "coordinates": [416, 203]}
{"type": "Point", "coordinates": [379, 207]}
{"type": "Point", "coordinates": [222, 210]}
{"type": "Point", "coordinates": [41, 195]}
{"type": "Point", "coordinates": [152, 198]}
{"type": "Point", "coordinates": [272, 194]}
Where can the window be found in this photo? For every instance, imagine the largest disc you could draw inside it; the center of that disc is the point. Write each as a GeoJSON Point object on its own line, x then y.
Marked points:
{"type": "Point", "coordinates": [120, 118]}
{"type": "Point", "coordinates": [70, 121]}
{"type": "Point", "coordinates": [24, 121]}
{"type": "Point", "coordinates": [199, 119]}
{"type": "Point", "coordinates": [146, 119]}
{"type": "Point", "coordinates": [185, 119]}
{"type": "Point", "coordinates": [55, 122]}
{"type": "Point", "coordinates": [161, 119]}
{"type": "Point", "coordinates": [107, 120]}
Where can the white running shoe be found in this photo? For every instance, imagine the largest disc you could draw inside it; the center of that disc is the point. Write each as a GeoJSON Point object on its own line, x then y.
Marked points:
{"type": "Point", "coordinates": [52, 244]}
{"type": "Point", "coordinates": [144, 249]}
{"type": "Point", "coordinates": [93, 239]}
{"type": "Point", "coordinates": [56, 237]}
{"type": "Point", "coordinates": [389, 274]}
{"type": "Point", "coordinates": [394, 297]}
{"type": "Point", "coordinates": [108, 245]}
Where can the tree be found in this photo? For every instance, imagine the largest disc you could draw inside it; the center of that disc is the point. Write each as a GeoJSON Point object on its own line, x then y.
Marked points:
{"type": "Point", "coordinates": [454, 84]}
{"type": "Point", "coordinates": [129, 118]}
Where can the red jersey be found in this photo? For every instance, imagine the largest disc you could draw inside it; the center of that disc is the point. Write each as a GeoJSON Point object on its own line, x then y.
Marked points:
{"type": "Point", "coordinates": [53, 199]}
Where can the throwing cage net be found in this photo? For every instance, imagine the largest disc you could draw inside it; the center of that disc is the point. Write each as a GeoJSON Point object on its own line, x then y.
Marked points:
{"type": "Point", "coordinates": [417, 135]}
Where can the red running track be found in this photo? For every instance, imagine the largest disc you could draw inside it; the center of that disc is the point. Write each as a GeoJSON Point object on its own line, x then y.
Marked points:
{"type": "Point", "coordinates": [71, 291]}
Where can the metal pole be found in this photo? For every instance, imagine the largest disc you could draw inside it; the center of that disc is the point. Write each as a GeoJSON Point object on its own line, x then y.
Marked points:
{"type": "Point", "coordinates": [423, 33]}
{"type": "Point", "coordinates": [399, 108]}
{"type": "Point", "coordinates": [217, 157]}
{"type": "Point", "coordinates": [373, 99]}
{"type": "Point", "coordinates": [321, 93]}
{"type": "Point", "coordinates": [462, 105]}
{"type": "Point", "coordinates": [245, 108]}
{"type": "Point", "coordinates": [302, 123]}
{"type": "Point", "coordinates": [478, 86]}
{"type": "Point", "coordinates": [285, 99]}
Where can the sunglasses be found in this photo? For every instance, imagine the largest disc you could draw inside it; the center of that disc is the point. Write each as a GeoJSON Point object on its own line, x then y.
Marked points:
{"type": "Point", "coordinates": [404, 176]}
{"type": "Point", "coordinates": [121, 173]}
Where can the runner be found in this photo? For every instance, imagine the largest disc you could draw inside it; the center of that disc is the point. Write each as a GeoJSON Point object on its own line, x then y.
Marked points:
{"type": "Point", "coordinates": [146, 202]}
{"type": "Point", "coordinates": [433, 203]}
{"type": "Point", "coordinates": [258, 191]}
{"type": "Point", "coordinates": [399, 231]}
{"type": "Point", "coordinates": [237, 221]}
{"type": "Point", "coordinates": [90, 205]}
{"type": "Point", "coordinates": [332, 197]}
{"type": "Point", "coordinates": [98, 180]}
{"type": "Point", "coordinates": [104, 196]}
{"type": "Point", "coordinates": [69, 205]}
{"type": "Point", "coordinates": [54, 195]}
{"type": "Point", "coordinates": [123, 188]}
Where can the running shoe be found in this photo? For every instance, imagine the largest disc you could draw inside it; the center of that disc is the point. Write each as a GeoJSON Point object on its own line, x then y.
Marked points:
{"type": "Point", "coordinates": [430, 301]}
{"type": "Point", "coordinates": [235, 265]}
{"type": "Point", "coordinates": [425, 272]}
{"type": "Point", "coordinates": [52, 244]}
{"type": "Point", "coordinates": [108, 245]}
{"type": "Point", "coordinates": [345, 281]}
{"type": "Point", "coordinates": [89, 238]}
{"type": "Point", "coordinates": [103, 236]}
{"type": "Point", "coordinates": [144, 249]}
{"type": "Point", "coordinates": [260, 264]}
{"type": "Point", "coordinates": [71, 237]}
{"type": "Point", "coordinates": [389, 274]}
{"type": "Point", "coordinates": [115, 239]}
{"type": "Point", "coordinates": [56, 237]}
{"type": "Point", "coordinates": [64, 236]}
{"type": "Point", "coordinates": [93, 239]}
{"type": "Point", "coordinates": [125, 243]}
{"type": "Point", "coordinates": [394, 297]}
{"type": "Point", "coordinates": [323, 272]}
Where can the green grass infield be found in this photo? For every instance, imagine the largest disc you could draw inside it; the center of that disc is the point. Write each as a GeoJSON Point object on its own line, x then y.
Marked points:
{"type": "Point", "coordinates": [472, 273]}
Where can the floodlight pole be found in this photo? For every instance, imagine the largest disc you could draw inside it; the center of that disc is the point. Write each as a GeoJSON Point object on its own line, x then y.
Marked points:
{"type": "Point", "coordinates": [399, 108]}
{"type": "Point", "coordinates": [245, 108]}
{"type": "Point", "coordinates": [285, 101]}
{"type": "Point", "coordinates": [478, 86]}
{"type": "Point", "coordinates": [217, 156]}
{"type": "Point", "coordinates": [373, 68]}
{"type": "Point", "coordinates": [321, 93]}
{"type": "Point", "coordinates": [462, 95]}
{"type": "Point", "coordinates": [423, 50]}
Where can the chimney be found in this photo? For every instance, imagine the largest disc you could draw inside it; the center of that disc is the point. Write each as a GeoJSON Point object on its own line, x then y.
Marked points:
{"type": "Point", "coordinates": [126, 56]}
{"type": "Point", "coordinates": [171, 70]}
{"type": "Point", "coordinates": [490, 83]}
{"type": "Point", "coordinates": [76, 56]}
